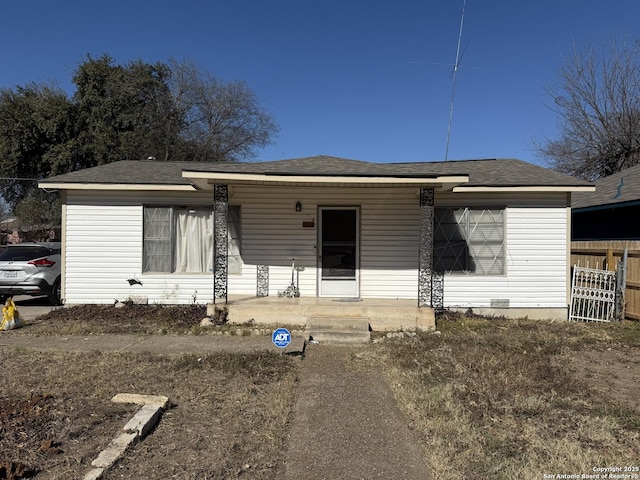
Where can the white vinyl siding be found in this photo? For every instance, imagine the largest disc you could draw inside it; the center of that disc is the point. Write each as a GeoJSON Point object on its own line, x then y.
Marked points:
{"type": "Point", "coordinates": [273, 233]}
{"type": "Point", "coordinates": [389, 245]}
{"type": "Point", "coordinates": [104, 248]}
{"type": "Point", "coordinates": [104, 245]}
{"type": "Point", "coordinates": [536, 265]}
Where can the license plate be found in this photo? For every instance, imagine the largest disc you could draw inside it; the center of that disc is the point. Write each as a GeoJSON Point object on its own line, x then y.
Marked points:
{"type": "Point", "coordinates": [11, 274]}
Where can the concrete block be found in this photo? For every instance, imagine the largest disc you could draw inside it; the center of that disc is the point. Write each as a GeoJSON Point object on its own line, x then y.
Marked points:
{"type": "Point", "coordinates": [95, 474]}
{"type": "Point", "coordinates": [158, 400]}
{"type": "Point", "coordinates": [338, 323]}
{"type": "Point", "coordinates": [383, 314]}
{"type": "Point", "coordinates": [340, 337]}
{"type": "Point", "coordinates": [138, 299]}
{"type": "Point", "coordinates": [144, 421]}
{"type": "Point", "coordinates": [115, 450]}
{"type": "Point", "coordinates": [338, 329]}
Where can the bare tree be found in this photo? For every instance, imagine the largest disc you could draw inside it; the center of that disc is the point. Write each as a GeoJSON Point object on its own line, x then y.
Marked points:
{"type": "Point", "coordinates": [220, 121]}
{"type": "Point", "coordinates": [597, 103]}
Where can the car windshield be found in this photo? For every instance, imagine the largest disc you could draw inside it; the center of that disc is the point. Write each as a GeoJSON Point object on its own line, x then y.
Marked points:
{"type": "Point", "coordinates": [24, 253]}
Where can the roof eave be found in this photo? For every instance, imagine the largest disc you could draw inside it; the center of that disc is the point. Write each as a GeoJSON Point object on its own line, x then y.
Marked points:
{"type": "Point", "coordinates": [115, 186]}
{"type": "Point", "coordinates": [523, 188]}
{"type": "Point", "coordinates": [606, 206]}
{"type": "Point", "coordinates": [205, 180]}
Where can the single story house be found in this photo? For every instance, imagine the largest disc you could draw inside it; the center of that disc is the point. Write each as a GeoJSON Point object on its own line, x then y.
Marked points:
{"type": "Point", "coordinates": [611, 212]}
{"type": "Point", "coordinates": [273, 241]}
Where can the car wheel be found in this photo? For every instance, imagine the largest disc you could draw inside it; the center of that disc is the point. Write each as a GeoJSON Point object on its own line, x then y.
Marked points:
{"type": "Point", "coordinates": [54, 296]}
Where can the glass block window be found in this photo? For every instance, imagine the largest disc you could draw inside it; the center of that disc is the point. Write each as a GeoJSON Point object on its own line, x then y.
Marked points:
{"type": "Point", "coordinates": [469, 240]}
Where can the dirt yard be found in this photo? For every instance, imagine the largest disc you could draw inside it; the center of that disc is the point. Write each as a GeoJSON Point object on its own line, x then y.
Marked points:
{"type": "Point", "coordinates": [130, 319]}
{"type": "Point", "coordinates": [616, 371]}
{"type": "Point", "coordinates": [229, 412]}
{"type": "Point", "coordinates": [503, 399]}
{"type": "Point", "coordinates": [227, 416]}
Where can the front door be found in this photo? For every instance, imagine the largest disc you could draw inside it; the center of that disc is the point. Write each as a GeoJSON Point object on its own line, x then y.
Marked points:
{"type": "Point", "coordinates": [338, 255]}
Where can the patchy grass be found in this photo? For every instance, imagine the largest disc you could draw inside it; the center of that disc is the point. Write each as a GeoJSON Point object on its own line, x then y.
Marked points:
{"type": "Point", "coordinates": [228, 413]}
{"type": "Point", "coordinates": [487, 398]}
{"type": "Point", "coordinates": [503, 399]}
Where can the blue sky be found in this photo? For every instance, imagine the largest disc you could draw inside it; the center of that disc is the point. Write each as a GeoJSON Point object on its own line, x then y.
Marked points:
{"type": "Point", "coordinates": [361, 79]}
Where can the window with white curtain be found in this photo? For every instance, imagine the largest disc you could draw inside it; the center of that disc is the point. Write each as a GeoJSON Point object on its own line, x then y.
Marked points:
{"type": "Point", "coordinates": [180, 239]}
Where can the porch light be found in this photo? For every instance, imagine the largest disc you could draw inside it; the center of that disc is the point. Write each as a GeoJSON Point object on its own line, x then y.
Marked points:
{"type": "Point", "coordinates": [298, 206]}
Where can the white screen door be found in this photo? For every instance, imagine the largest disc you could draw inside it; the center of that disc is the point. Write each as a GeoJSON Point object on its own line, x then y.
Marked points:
{"type": "Point", "coordinates": [338, 261]}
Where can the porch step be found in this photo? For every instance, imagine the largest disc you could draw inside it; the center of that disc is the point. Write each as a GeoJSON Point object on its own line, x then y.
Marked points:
{"type": "Point", "coordinates": [338, 329]}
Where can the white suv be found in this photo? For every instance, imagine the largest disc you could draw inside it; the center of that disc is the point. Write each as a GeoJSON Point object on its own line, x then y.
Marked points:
{"type": "Point", "coordinates": [31, 269]}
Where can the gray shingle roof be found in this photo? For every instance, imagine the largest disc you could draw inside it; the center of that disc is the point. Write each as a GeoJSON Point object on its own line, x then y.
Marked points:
{"type": "Point", "coordinates": [505, 172]}
{"type": "Point", "coordinates": [490, 172]}
{"type": "Point", "coordinates": [618, 188]}
{"type": "Point", "coordinates": [144, 172]}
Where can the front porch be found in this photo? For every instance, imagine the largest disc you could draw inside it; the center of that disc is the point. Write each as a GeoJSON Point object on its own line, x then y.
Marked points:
{"type": "Point", "coordinates": [355, 256]}
{"type": "Point", "coordinates": [382, 314]}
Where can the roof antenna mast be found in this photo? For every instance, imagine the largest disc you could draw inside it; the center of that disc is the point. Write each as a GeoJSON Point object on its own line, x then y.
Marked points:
{"type": "Point", "coordinates": [455, 75]}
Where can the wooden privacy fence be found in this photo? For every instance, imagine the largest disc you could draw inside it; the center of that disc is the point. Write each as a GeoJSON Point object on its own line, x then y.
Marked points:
{"type": "Point", "coordinates": [604, 254]}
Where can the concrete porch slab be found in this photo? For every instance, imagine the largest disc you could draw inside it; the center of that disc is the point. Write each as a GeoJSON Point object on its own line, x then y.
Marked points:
{"type": "Point", "coordinates": [383, 314]}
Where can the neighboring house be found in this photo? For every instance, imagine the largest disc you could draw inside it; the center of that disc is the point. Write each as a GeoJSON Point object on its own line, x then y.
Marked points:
{"type": "Point", "coordinates": [13, 230]}
{"type": "Point", "coordinates": [612, 211]}
{"type": "Point", "coordinates": [491, 235]}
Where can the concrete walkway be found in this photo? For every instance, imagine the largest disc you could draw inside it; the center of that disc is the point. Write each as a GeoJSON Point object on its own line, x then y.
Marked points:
{"type": "Point", "coordinates": [345, 425]}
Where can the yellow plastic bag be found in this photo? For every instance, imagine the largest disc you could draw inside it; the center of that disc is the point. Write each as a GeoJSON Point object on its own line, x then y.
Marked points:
{"type": "Point", "coordinates": [10, 317]}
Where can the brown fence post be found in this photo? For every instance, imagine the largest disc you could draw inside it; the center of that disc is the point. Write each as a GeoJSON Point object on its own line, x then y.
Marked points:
{"type": "Point", "coordinates": [611, 264]}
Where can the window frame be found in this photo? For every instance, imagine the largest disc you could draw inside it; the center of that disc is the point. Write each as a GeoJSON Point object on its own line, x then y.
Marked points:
{"type": "Point", "coordinates": [173, 209]}
{"type": "Point", "coordinates": [465, 230]}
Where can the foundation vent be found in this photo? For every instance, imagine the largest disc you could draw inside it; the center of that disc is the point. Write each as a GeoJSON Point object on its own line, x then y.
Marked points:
{"type": "Point", "coordinates": [500, 303]}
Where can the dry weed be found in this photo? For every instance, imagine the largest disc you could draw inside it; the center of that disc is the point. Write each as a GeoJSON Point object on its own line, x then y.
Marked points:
{"type": "Point", "coordinates": [228, 412]}
{"type": "Point", "coordinates": [493, 398]}
{"type": "Point", "coordinates": [130, 319]}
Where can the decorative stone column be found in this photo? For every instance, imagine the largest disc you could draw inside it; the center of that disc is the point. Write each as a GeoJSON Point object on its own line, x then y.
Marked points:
{"type": "Point", "coordinates": [425, 252]}
{"type": "Point", "coordinates": [221, 242]}
{"type": "Point", "coordinates": [262, 289]}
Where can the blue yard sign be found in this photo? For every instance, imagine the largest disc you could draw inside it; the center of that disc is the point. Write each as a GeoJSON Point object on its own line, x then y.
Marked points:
{"type": "Point", "coordinates": [281, 337]}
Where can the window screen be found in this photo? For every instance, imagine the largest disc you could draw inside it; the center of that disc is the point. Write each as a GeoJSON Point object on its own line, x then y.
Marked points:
{"type": "Point", "coordinates": [469, 240]}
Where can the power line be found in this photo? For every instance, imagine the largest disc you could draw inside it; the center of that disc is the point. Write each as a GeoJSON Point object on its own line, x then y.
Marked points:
{"type": "Point", "coordinates": [22, 179]}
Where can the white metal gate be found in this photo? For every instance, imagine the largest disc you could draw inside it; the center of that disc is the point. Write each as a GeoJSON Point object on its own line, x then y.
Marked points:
{"type": "Point", "coordinates": [593, 295]}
